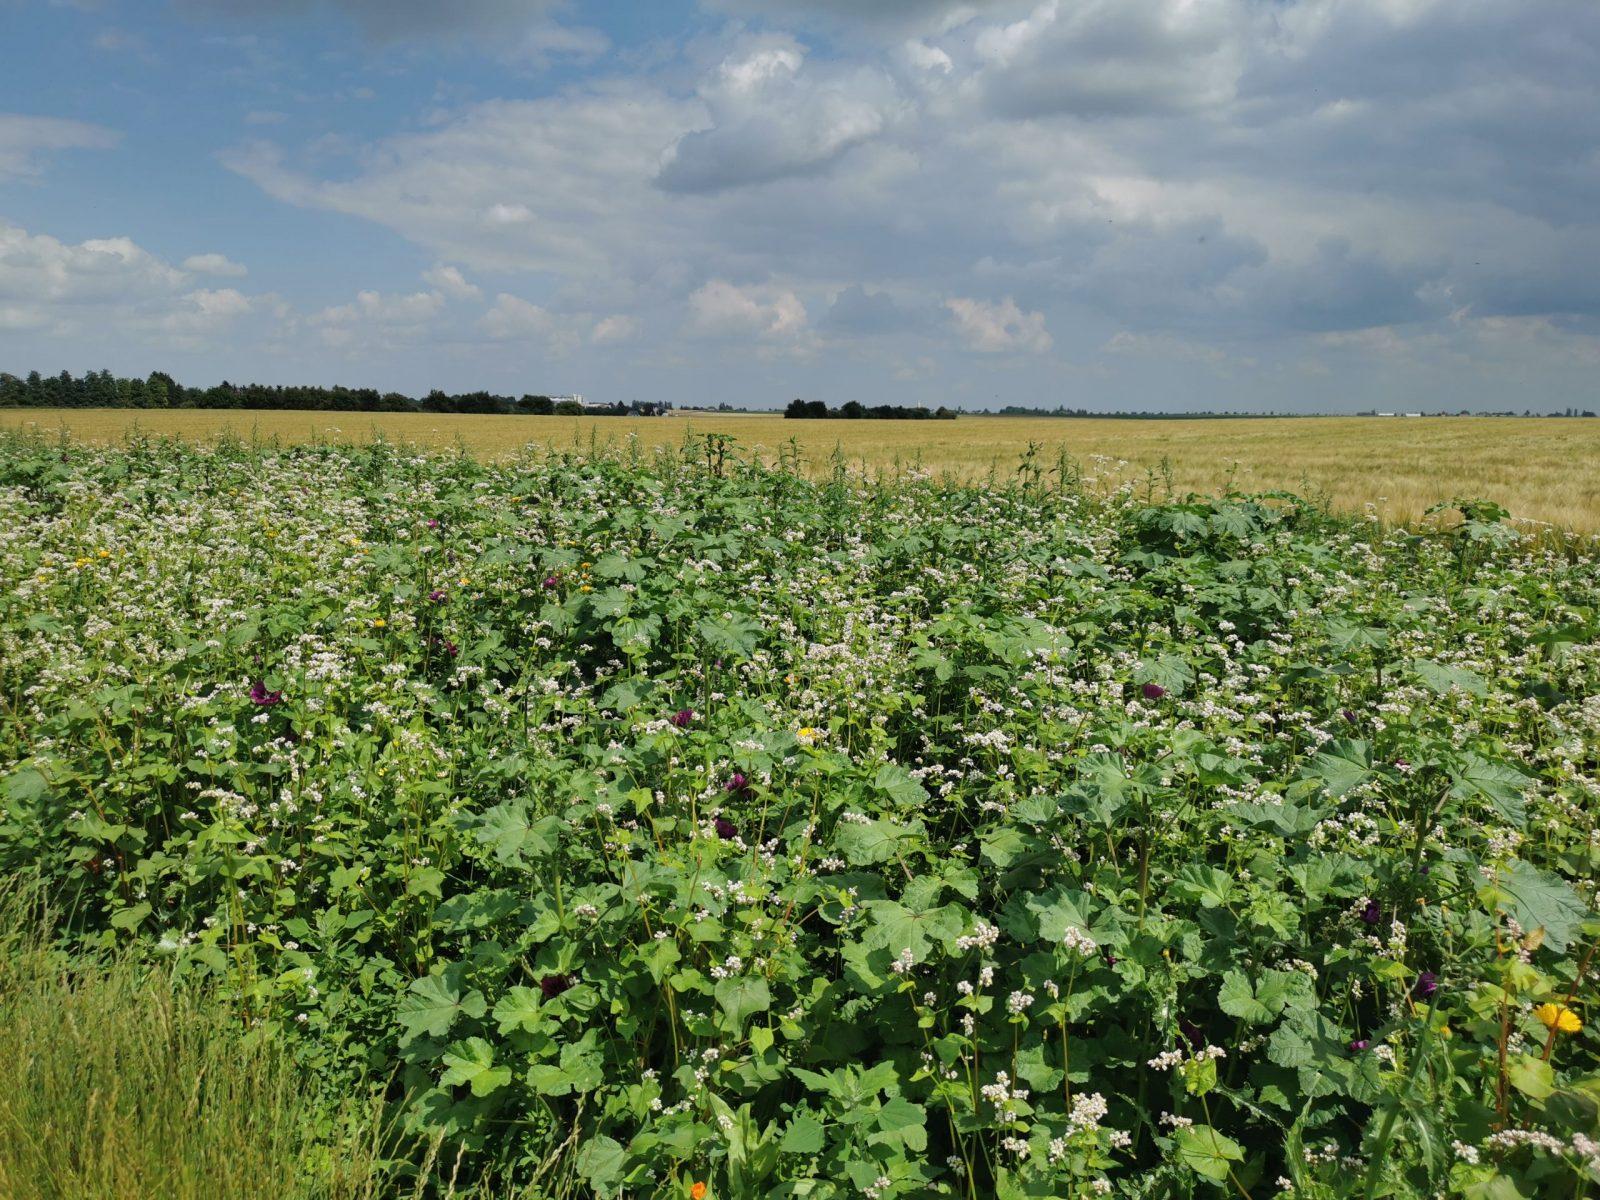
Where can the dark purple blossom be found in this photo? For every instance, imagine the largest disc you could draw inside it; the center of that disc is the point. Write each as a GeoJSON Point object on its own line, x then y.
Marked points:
{"type": "Point", "coordinates": [553, 985]}
{"type": "Point", "coordinates": [1371, 914]}
{"type": "Point", "coordinates": [1153, 691]}
{"type": "Point", "coordinates": [725, 828]}
{"type": "Point", "coordinates": [552, 581]}
{"type": "Point", "coordinates": [260, 695]}
{"type": "Point", "coordinates": [433, 522]}
{"type": "Point", "coordinates": [682, 717]}
{"type": "Point", "coordinates": [737, 783]}
{"type": "Point", "coordinates": [1348, 716]}
{"type": "Point", "coordinates": [1427, 984]}
{"type": "Point", "coordinates": [437, 595]}
{"type": "Point", "coordinates": [1360, 1044]}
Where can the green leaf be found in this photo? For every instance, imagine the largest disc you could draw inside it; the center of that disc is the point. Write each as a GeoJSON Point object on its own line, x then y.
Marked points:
{"type": "Point", "coordinates": [518, 1009]}
{"type": "Point", "coordinates": [1498, 784]}
{"type": "Point", "coordinates": [26, 786]}
{"type": "Point", "coordinates": [899, 785]}
{"type": "Point", "coordinates": [740, 997]}
{"type": "Point", "coordinates": [1343, 766]}
{"type": "Point", "coordinates": [602, 1161]}
{"type": "Point", "coordinates": [1538, 898]}
{"type": "Point", "coordinates": [864, 845]}
{"type": "Point", "coordinates": [1261, 1002]}
{"type": "Point", "coordinates": [508, 830]}
{"type": "Point", "coordinates": [130, 918]}
{"type": "Point", "coordinates": [472, 1062]}
{"type": "Point", "coordinates": [1206, 1152]}
{"type": "Point", "coordinates": [902, 1123]}
{"type": "Point", "coordinates": [1439, 678]}
{"type": "Point", "coordinates": [804, 1136]}
{"type": "Point", "coordinates": [1532, 1077]}
{"type": "Point", "coordinates": [432, 1004]}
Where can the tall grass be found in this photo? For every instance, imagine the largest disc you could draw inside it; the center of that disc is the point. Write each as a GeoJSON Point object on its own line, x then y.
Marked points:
{"type": "Point", "coordinates": [121, 1084]}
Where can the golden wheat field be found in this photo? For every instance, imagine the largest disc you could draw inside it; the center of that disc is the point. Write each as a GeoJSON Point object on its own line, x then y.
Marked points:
{"type": "Point", "coordinates": [1542, 469]}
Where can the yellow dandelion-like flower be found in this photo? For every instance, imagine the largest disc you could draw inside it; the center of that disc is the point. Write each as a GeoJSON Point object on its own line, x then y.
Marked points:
{"type": "Point", "coordinates": [586, 588]}
{"type": "Point", "coordinates": [1558, 1017]}
{"type": "Point", "coordinates": [105, 553]}
{"type": "Point", "coordinates": [462, 581]}
{"type": "Point", "coordinates": [807, 735]}
{"type": "Point", "coordinates": [378, 622]}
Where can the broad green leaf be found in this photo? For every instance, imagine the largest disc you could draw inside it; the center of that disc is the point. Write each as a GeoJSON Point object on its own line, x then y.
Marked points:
{"type": "Point", "coordinates": [432, 1004]}
{"type": "Point", "coordinates": [1538, 899]}
{"type": "Point", "coordinates": [1498, 784]}
{"type": "Point", "coordinates": [1206, 1152]}
{"type": "Point", "coordinates": [1439, 678]}
{"type": "Point", "coordinates": [740, 997]}
{"type": "Point", "coordinates": [1343, 766]}
{"type": "Point", "coordinates": [472, 1062]}
{"type": "Point", "coordinates": [518, 1009]}
{"type": "Point", "coordinates": [1531, 1076]}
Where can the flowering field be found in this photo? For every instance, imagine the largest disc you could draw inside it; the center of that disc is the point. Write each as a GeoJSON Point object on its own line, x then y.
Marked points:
{"type": "Point", "coordinates": [677, 827]}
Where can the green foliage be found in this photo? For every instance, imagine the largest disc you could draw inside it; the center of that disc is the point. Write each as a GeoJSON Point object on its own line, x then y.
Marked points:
{"type": "Point", "coordinates": [636, 824]}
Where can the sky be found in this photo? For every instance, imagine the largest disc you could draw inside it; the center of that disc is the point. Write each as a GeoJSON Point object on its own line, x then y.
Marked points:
{"type": "Point", "coordinates": [1264, 205]}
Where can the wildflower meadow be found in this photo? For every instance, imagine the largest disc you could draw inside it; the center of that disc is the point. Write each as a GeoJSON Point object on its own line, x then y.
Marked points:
{"type": "Point", "coordinates": [674, 825]}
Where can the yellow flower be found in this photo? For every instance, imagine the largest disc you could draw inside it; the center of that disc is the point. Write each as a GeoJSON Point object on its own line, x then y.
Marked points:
{"type": "Point", "coordinates": [1558, 1017]}
{"type": "Point", "coordinates": [807, 735]}
{"type": "Point", "coordinates": [586, 588]}
{"type": "Point", "coordinates": [697, 1192]}
{"type": "Point", "coordinates": [83, 562]}
{"type": "Point", "coordinates": [105, 554]}
{"type": "Point", "coordinates": [378, 622]}
{"type": "Point", "coordinates": [462, 581]}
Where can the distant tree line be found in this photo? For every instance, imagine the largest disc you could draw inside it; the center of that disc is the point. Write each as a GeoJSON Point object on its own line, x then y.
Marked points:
{"type": "Point", "coordinates": [102, 389]}
{"type": "Point", "coordinates": [854, 410]}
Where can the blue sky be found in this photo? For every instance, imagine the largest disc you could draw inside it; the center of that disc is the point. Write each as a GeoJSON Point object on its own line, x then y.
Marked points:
{"type": "Point", "coordinates": [1312, 205]}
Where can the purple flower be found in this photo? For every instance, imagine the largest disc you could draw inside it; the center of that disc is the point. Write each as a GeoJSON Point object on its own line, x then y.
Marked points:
{"type": "Point", "coordinates": [682, 717]}
{"type": "Point", "coordinates": [725, 828]}
{"type": "Point", "coordinates": [1153, 691]}
{"type": "Point", "coordinates": [451, 648]}
{"type": "Point", "coordinates": [437, 595]}
{"type": "Point", "coordinates": [1360, 1044]}
{"type": "Point", "coordinates": [433, 522]}
{"type": "Point", "coordinates": [260, 695]}
{"type": "Point", "coordinates": [553, 985]}
{"type": "Point", "coordinates": [552, 581]}
{"type": "Point", "coordinates": [1427, 984]}
{"type": "Point", "coordinates": [737, 784]}
{"type": "Point", "coordinates": [1348, 716]}
{"type": "Point", "coordinates": [1372, 914]}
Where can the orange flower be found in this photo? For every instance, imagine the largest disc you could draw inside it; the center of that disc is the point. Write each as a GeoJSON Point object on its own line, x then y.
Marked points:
{"type": "Point", "coordinates": [697, 1192]}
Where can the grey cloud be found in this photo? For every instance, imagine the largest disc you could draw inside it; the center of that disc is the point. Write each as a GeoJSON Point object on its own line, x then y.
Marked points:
{"type": "Point", "coordinates": [774, 115]}
{"type": "Point", "coordinates": [1223, 172]}
{"type": "Point", "coordinates": [24, 140]}
{"type": "Point", "coordinates": [858, 312]}
{"type": "Point", "coordinates": [392, 19]}
{"type": "Point", "coordinates": [1102, 58]}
